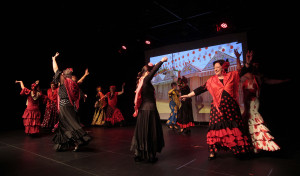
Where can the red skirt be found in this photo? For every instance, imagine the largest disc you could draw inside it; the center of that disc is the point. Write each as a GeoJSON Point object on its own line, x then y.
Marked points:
{"type": "Point", "coordinates": [227, 130]}
{"type": "Point", "coordinates": [31, 121]}
{"type": "Point", "coordinates": [113, 115]}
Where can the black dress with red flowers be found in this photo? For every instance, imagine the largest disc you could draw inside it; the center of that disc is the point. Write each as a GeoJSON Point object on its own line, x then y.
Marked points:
{"type": "Point", "coordinates": [227, 130]}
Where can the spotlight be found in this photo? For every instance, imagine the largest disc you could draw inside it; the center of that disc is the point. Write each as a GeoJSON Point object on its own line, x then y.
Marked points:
{"type": "Point", "coordinates": [124, 47]}
{"type": "Point", "coordinates": [224, 25]}
{"type": "Point", "coordinates": [148, 42]}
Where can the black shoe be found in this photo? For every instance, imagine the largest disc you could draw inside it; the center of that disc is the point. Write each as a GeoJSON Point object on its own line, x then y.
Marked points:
{"type": "Point", "coordinates": [187, 131]}
{"type": "Point", "coordinates": [137, 159]}
{"type": "Point", "coordinates": [153, 160]}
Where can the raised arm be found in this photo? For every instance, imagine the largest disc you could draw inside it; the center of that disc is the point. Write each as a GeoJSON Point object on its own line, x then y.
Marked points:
{"type": "Point", "coordinates": [156, 67]}
{"type": "Point", "coordinates": [238, 62]}
{"type": "Point", "coordinates": [21, 84]}
{"type": "Point", "coordinates": [54, 63]}
{"type": "Point", "coordinates": [120, 93]}
{"type": "Point", "coordinates": [83, 77]}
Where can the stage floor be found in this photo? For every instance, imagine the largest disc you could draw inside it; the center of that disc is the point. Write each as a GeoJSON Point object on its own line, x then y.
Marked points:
{"type": "Point", "coordinates": [109, 154]}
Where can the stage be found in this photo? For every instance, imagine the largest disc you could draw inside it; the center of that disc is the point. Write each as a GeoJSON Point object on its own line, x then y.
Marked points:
{"type": "Point", "coordinates": [109, 154]}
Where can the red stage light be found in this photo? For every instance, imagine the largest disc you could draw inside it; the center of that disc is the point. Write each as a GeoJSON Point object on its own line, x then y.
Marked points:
{"type": "Point", "coordinates": [124, 47]}
{"type": "Point", "coordinates": [147, 42]}
{"type": "Point", "coordinates": [224, 25]}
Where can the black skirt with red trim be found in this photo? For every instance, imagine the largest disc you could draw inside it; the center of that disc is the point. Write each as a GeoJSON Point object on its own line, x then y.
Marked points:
{"type": "Point", "coordinates": [227, 130]}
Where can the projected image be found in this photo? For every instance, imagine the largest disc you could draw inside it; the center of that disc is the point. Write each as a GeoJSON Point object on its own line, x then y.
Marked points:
{"type": "Point", "coordinates": [197, 66]}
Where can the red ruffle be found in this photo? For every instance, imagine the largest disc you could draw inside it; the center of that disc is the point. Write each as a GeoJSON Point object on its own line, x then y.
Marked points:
{"type": "Point", "coordinates": [227, 137]}
{"type": "Point", "coordinates": [34, 114]}
{"type": "Point", "coordinates": [116, 117]}
{"type": "Point", "coordinates": [190, 124]}
{"type": "Point", "coordinates": [32, 129]}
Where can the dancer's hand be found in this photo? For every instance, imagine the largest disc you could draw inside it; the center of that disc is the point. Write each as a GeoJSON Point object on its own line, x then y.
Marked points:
{"type": "Point", "coordinates": [249, 56]}
{"type": "Point", "coordinates": [237, 54]}
{"type": "Point", "coordinates": [56, 55]}
{"type": "Point", "coordinates": [183, 97]}
{"type": "Point", "coordinates": [86, 72]}
{"type": "Point", "coordinates": [164, 59]}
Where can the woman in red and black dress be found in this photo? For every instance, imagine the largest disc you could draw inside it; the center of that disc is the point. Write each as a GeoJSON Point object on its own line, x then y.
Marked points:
{"type": "Point", "coordinates": [69, 131]}
{"type": "Point", "coordinates": [227, 130]}
{"type": "Point", "coordinates": [113, 114]}
{"type": "Point", "coordinates": [51, 112]}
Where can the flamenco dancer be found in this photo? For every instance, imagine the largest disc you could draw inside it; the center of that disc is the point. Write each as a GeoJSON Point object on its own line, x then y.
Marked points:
{"type": "Point", "coordinates": [185, 118]}
{"type": "Point", "coordinates": [69, 132]}
{"type": "Point", "coordinates": [148, 135]}
{"type": "Point", "coordinates": [174, 106]}
{"type": "Point", "coordinates": [51, 112]}
{"type": "Point", "coordinates": [99, 115]}
{"type": "Point", "coordinates": [32, 115]}
{"type": "Point", "coordinates": [226, 127]}
{"type": "Point", "coordinates": [113, 114]}
{"type": "Point", "coordinates": [261, 139]}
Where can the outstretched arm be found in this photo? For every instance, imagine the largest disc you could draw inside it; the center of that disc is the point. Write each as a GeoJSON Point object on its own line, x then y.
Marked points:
{"type": "Point", "coordinates": [156, 67]}
{"type": "Point", "coordinates": [195, 92]}
{"type": "Point", "coordinates": [83, 77]}
{"type": "Point", "coordinates": [54, 63]}
{"type": "Point", "coordinates": [190, 95]}
{"type": "Point", "coordinates": [120, 93]}
{"type": "Point", "coordinates": [21, 84]}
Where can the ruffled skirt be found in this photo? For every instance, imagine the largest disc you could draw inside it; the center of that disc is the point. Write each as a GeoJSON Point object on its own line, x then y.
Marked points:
{"type": "Point", "coordinates": [69, 131]}
{"type": "Point", "coordinates": [260, 136]}
{"type": "Point", "coordinates": [185, 117]}
{"type": "Point", "coordinates": [113, 115]}
{"type": "Point", "coordinates": [32, 121]}
{"type": "Point", "coordinates": [227, 130]}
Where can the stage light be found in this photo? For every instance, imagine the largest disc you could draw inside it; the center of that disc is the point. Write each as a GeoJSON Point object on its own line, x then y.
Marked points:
{"type": "Point", "coordinates": [148, 42]}
{"type": "Point", "coordinates": [124, 47]}
{"type": "Point", "coordinates": [224, 25]}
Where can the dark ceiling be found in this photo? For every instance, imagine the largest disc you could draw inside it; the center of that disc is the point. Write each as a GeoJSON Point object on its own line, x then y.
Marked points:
{"type": "Point", "coordinates": [98, 29]}
{"type": "Point", "coordinates": [130, 23]}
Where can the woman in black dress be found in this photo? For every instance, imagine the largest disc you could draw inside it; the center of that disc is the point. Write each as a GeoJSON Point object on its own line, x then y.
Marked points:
{"type": "Point", "coordinates": [69, 131]}
{"type": "Point", "coordinates": [185, 117]}
{"type": "Point", "coordinates": [148, 135]}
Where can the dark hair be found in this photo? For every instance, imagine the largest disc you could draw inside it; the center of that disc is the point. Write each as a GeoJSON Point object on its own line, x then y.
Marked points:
{"type": "Point", "coordinates": [221, 62]}
{"type": "Point", "coordinates": [173, 84]}
{"type": "Point", "coordinates": [144, 69]}
{"type": "Point", "coordinates": [184, 79]}
{"type": "Point", "coordinates": [68, 73]}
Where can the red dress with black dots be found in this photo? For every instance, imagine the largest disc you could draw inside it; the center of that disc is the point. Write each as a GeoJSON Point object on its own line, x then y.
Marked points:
{"type": "Point", "coordinates": [226, 130]}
